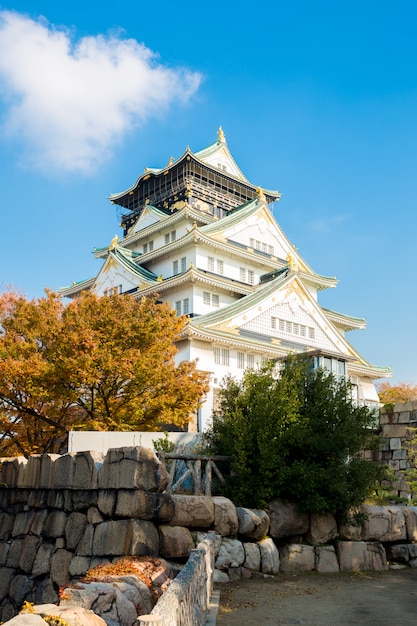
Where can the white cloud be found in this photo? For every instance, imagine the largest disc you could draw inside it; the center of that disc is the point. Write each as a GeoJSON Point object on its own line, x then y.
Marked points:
{"type": "Point", "coordinates": [70, 102]}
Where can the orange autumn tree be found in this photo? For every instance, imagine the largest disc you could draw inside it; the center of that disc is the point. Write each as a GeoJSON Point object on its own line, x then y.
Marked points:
{"type": "Point", "coordinates": [390, 394]}
{"type": "Point", "coordinates": [93, 364]}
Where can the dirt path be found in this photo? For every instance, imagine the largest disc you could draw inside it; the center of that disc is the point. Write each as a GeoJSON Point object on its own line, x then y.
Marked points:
{"type": "Point", "coordinates": [311, 599]}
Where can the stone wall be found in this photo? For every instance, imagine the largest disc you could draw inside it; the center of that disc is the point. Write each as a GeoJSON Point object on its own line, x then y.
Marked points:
{"type": "Point", "coordinates": [62, 515]}
{"type": "Point", "coordinates": [395, 432]}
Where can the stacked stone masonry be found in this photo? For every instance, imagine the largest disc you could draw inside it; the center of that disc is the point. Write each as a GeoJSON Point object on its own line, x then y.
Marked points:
{"type": "Point", "coordinates": [396, 429]}
{"type": "Point", "coordinates": [62, 515]}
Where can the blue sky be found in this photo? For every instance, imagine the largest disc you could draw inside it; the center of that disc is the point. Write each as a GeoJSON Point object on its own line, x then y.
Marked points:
{"type": "Point", "coordinates": [317, 99]}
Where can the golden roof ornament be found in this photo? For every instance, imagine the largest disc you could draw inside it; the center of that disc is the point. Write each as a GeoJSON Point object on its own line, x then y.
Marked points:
{"type": "Point", "coordinates": [221, 136]}
{"type": "Point", "coordinates": [261, 194]}
{"type": "Point", "coordinates": [170, 162]}
{"type": "Point", "coordinates": [113, 243]}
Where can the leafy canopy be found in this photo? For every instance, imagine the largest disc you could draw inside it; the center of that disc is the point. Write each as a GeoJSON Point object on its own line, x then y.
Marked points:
{"type": "Point", "coordinates": [390, 394]}
{"type": "Point", "coordinates": [297, 436]}
{"type": "Point", "coordinates": [93, 364]}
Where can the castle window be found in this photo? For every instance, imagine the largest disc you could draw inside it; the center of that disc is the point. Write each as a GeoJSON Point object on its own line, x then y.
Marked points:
{"type": "Point", "coordinates": [251, 277]}
{"type": "Point", "coordinates": [186, 306]}
{"type": "Point", "coordinates": [221, 356]}
{"type": "Point", "coordinates": [206, 298]}
{"type": "Point", "coordinates": [220, 267]}
{"type": "Point", "coordinates": [241, 360]}
{"type": "Point", "coordinates": [178, 307]}
{"type": "Point", "coordinates": [166, 237]}
{"type": "Point", "coordinates": [243, 274]}
{"type": "Point", "coordinates": [175, 267]}
{"type": "Point", "coordinates": [215, 301]}
{"type": "Point", "coordinates": [183, 264]}
{"type": "Point", "coordinates": [210, 264]}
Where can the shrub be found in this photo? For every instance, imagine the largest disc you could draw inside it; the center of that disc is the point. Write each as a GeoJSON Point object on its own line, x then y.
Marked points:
{"type": "Point", "coordinates": [296, 435]}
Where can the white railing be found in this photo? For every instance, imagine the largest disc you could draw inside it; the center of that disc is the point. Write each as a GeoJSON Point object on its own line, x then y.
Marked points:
{"type": "Point", "coordinates": [185, 601]}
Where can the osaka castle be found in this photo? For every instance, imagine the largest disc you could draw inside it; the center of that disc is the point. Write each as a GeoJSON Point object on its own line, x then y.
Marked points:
{"type": "Point", "coordinates": [202, 237]}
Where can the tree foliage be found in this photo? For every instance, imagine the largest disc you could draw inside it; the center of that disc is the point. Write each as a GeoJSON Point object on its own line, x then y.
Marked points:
{"type": "Point", "coordinates": [297, 436]}
{"type": "Point", "coordinates": [390, 394]}
{"type": "Point", "coordinates": [93, 364]}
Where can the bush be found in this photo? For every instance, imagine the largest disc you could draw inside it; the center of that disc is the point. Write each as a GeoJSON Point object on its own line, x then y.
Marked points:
{"type": "Point", "coordinates": [296, 436]}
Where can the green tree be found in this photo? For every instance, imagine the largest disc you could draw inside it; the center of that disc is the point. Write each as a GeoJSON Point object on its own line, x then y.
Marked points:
{"type": "Point", "coordinates": [297, 436]}
{"type": "Point", "coordinates": [93, 364]}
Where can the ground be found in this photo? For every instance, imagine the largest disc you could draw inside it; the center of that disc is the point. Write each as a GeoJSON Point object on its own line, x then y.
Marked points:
{"type": "Point", "coordinates": [311, 599]}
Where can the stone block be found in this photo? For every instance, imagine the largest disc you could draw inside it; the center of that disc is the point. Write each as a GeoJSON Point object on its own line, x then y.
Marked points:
{"type": "Point", "coordinates": [85, 547]}
{"type": "Point", "coordinates": [87, 466]}
{"type": "Point", "coordinates": [225, 516]}
{"type": "Point", "coordinates": [6, 575]}
{"type": "Point", "coordinates": [252, 556]}
{"type": "Point", "coordinates": [148, 505]}
{"type": "Point", "coordinates": [27, 556]}
{"type": "Point", "coordinates": [31, 473]}
{"type": "Point", "coordinates": [13, 556]}
{"type": "Point", "coordinates": [55, 524]}
{"type": "Point", "coordinates": [286, 520]}
{"type": "Point", "coordinates": [192, 511]}
{"type": "Point", "coordinates": [4, 553]}
{"type": "Point", "coordinates": [220, 576]}
{"type": "Point", "coordinates": [234, 573]}
{"type": "Point", "coordinates": [74, 529]}
{"type": "Point", "coordinates": [106, 501]}
{"type": "Point", "coordinates": [71, 615]}
{"type": "Point", "coordinates": [269, 556]}
{"type": "Point", "coordinates": [231, 553]}
{"type": "Point", "coordinates": [384, 523]}
{"type": "Point", "coordinates": [296, 558]}
{"type": "Point", "coordinates": [361, 556]}
{"type": "Point", "coordinates": [132, 468]}
{"type": "Point", "coordinates": [94, 516]}
{"type": "Point", "coordinates": [174, 541]}
{"type": "Point", "coordinates": [47, 470]}
{"type": "Point", "coordinates": [323, 529]}
{"type": "Point", "coordinates": [6, 525]}
{"type": "Point", "coordinates": [64, 471]}
{"type": "Point", "coordinates": [20, 589]}
{"type": "Point", "coordinates": [42, 563]}
{"type": "Point", "coordinates": [395, 443]}
{"type": "Point", "coordinates": [410, 515]}
{"type": "Point", "coordinates": [253, 523]}
{"type": "Point", "coordinates": [45, 592]}
{"type": "Point", "coordinates": [399, 455]}
{"type": "Point", "coordinates": [60, 562]}
{"type": "Point", "coordinates": [83, 499]}
{"type": "Point", "coordinates": [79, 566]}
{"type": "Point", "coordinates": [125, 538]}
{"type": "Point", "coordinates": [326, 560]}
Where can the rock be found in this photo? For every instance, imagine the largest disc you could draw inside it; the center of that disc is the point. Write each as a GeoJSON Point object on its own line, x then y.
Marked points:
{"type": "Point", "coordinates": [269, 556]}
{"type": "Point", "coordinates": [253, 523]}
{"type": "Point", "coordinates": [252, 556]}
{"type": "Point", "coordinates": [27, 619]}
{"type": "Point", "coordinates": [192, 511]}
{"type": "Point", "coordinates": [174, 541]}
{"type": "Point", "coordinates": [79, 566]}
{"type": "Point", "coordinates": [45, 592]}
{"type": "Point", "coordinates": [231, 553]}
{"type": "Point", "coordinates": [398, 552]}
{"type": "Point", "coordinates": [326, 560]}
{"type": "Point", "coordinates": [147, 505]}
{"type": "Point", "coordinates": [132, 468]}
{"type": "Point", "coordinates": [55, 524]}
{"type": "Point", "coordinates": [60, 562]}
{"type": "Point", "coordinates": [74, 529]}
{"type": "Point", "coordinates": [47, 470]}
{"type": "Point", "coordinates": [234, 573]}
{"type": "Point", "coordinates": [27, 556]}
{"type": "Point", "coordinates": [410, 515]}
{"type": "Point", "coordinates": [286, 520]}
{"type": "Point", "coordinates": [125, 538]}
{"type": "Point", "coordinates": [323, 529]}
{"type": "Point", "coordinates": [6, 574]}
{"type": "Point", "coordinates": [73, 615]}
{"type": "Point", "coordinates": [384, 523]}
{"type": "Point", "coordinates": [6, 525]}
{"type": "Point", "coordinates": [12, 470]}
{"type": "Point", "coordinates": [64, 471]}
{"type": "Point", "coordinates": [222, 577]}
{"type": "Point", "coordinates": [20, 589]}
{"type": "Point", "coordinates": [42, 563]}
{"type": "Point", "coordinates": [225, 516]}
{"type": "Point", "coordinates": [361, 556]}
{"type": "Point", "coordinates": [296, 558]}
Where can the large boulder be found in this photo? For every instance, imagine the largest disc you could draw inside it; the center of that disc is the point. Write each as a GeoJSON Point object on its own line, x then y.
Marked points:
{"type": "Point", "coordinates": [361, 556]}
{"type": "Point", "coordinates": [286, 520]}
{"type": "Point", "coordinates": [71, 615]}
{"type": "Point", "coordinates": [231, 553]}
{"type": "Point", "coordinates": [225, 516]}
{"type": "Point", "coordinates": [296, 558]}
{"type": "Point", "coordinates": [148, 505]}
{"type": "Point", "coordinates": [326, 560]}
{"type": "Point", "coordinates": [252, 556]}
{"type": "Point", "coordinates": [323, 529]}
{"type": "Point", "coordinates": [132, 467]}
{"type": "Point", "coordinates": [174, 541]}
{"type": "Point", "coordinates": [253, 523]}
{"type": "Point", "coordinates": [192, 511]}
{"type": "Point", "coordinates": [269, 556]}
{"type": "Point", "coordinates": [125, 538]}
{"type": "Point", "coordinates": [410, 516]}
{"type": "Point", "coordinates": [384, 523]}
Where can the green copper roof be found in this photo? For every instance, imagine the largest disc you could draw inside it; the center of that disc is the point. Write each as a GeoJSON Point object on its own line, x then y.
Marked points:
{"type": "Point", "coordinates": [124, 257]}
